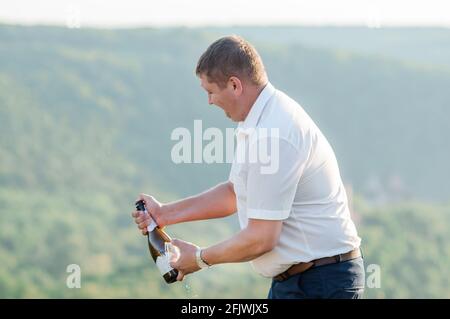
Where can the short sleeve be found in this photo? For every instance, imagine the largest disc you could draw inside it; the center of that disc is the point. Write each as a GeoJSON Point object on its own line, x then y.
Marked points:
{"type": "Point", "coordinates": [272, 180]}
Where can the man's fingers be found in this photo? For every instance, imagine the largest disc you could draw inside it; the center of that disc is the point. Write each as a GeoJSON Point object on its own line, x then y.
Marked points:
{"type": "Point", "coordinates": [140, 219]}
{"type": "Point", "coordinates": [136, 219]}
{"type": "Point", "coordinates": [143, 225]}
{"type": "Point", "coordinates": [138, 213]}
{"type": "Point", "coordinates": [180, 276]}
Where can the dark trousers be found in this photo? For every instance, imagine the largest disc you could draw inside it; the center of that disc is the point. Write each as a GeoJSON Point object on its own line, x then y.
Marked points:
{"type": "Point", "coordinates": [344, 280]}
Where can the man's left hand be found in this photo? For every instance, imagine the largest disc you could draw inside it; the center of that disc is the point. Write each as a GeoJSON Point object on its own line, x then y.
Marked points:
{"type": "Point", "coordinates": [185, 261]}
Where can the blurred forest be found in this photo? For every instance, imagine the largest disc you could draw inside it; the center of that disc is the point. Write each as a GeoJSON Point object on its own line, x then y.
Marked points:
{"type": "Point", "coordinates": [85, 122]}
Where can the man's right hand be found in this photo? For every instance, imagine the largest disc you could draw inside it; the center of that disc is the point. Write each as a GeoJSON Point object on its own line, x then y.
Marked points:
{"type": "Point", "coordinates": [154, 208]}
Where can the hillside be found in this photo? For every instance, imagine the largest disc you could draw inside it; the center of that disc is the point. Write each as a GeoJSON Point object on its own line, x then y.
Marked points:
{"type": "Point", "coordinates": [85, 123]}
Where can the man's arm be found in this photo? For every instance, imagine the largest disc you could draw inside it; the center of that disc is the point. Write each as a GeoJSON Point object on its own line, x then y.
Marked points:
{"type": "Point", "coordinates": [258, 238]}
{"type": "Point", "coordinates": [219, 201]}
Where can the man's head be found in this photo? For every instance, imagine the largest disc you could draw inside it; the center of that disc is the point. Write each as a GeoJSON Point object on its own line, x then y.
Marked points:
{"type": "Point", "coordinates": [232, 73]}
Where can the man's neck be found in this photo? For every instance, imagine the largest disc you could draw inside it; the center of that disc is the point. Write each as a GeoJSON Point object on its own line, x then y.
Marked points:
{"type": "Point", "coordinates": [253, 94]}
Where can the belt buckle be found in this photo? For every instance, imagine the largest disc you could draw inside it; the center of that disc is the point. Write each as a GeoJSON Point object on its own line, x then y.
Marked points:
{"type": "Point", "coordinates": [281, 277]}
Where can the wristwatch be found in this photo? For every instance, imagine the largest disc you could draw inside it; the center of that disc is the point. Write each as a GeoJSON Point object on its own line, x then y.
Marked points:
{"type": "Point", "coordinates": [200, 262]}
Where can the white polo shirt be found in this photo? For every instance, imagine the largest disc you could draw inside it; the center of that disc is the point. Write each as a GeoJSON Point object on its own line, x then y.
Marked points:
{"type": "Point", "coordinates": [300, 185]}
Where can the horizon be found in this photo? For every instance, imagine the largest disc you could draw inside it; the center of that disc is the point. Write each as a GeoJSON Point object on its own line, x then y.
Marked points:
{"type": "Point", "coordinates": [120, 14]}
{"type": "Point", "coordinates": [182, 26]}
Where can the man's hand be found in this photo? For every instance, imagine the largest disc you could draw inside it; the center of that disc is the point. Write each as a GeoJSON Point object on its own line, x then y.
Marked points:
{"type": "Point", "coordinates": [185, 261]}
{"type": "Point", "coordinates": [154, 208]}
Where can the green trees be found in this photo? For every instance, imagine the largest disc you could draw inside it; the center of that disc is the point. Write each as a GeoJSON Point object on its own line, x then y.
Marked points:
{"type": "Point", "coordinates": [409, 242]}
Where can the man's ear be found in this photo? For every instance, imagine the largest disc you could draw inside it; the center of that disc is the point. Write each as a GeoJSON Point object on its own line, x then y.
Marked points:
{"type": "Point", "coordinates": [236, 85]}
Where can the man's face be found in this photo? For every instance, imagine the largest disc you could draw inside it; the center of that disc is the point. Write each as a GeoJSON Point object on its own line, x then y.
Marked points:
{"type": "Point", "coordinates": [225, 98]}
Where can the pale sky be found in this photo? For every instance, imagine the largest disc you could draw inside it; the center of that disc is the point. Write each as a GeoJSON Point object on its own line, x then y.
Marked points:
{"type": "Point", "coordinates": [133, 13]}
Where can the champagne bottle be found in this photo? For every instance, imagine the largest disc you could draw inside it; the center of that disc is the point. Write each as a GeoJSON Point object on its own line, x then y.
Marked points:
{"type": "Point", "coordinates": [158, 242]}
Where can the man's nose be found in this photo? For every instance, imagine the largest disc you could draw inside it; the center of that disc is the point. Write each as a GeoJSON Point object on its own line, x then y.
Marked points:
{"type": "Point", "coordinates": [210, 100]}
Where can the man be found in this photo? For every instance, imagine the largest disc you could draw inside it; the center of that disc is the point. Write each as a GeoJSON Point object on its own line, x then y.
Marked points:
{"type": "Point", "coordinates": [295, 221]}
